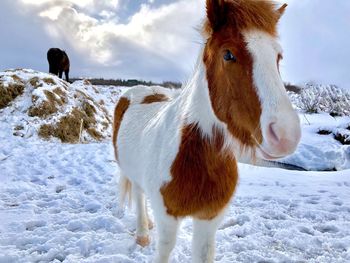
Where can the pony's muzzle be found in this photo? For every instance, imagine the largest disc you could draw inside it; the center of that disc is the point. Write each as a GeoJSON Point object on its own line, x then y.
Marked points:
{"type": "Point", "coordinates": [281, 137]}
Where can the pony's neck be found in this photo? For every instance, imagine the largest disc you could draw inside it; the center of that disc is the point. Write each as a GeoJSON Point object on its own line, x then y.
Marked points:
{"type": "Point", "coordinates": [195, 100]}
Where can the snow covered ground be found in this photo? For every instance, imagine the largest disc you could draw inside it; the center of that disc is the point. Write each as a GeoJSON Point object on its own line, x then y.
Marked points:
{"type": "Point", "coordinates": [59, 202]}
{"type": "Point", "coordinates": [322, 152]}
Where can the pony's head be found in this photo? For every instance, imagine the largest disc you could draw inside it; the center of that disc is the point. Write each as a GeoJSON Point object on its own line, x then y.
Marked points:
{"type": "Point", "coordinates": [241, 57]}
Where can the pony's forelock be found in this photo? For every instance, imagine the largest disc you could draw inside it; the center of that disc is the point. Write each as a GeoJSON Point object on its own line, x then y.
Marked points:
{"type": "Point", "coordinates": [245, 15]}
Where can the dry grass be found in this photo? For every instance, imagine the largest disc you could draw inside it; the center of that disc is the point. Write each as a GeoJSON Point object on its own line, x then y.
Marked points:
{"type": "Point", "coordinates": [9, 93]}
{"type": "Point", "coordinates": [89, 109]}
{"type": "Point", "coordinates": [61, 94]}
{"type": "Point", "coordinates": [45, 108]}
{"type": "Point", "coordinates": [68, 127]}
{"type": "Point", "coordinates": [82, 95]}
{"type": "Point", "coordinates": [86, 82]}
{"type": "Point", "coordinates": [96, 90]}
{"type": "Point", "coordinates": [52, 97]}
{"type": "Point", "coordinates": [49, 106]}
{"type": "Point", "coordinates": [16, 78]}
{"type": "Point", "coordinates": [49, 81]}
{"type": "Point", "coordinates": [35, 82]}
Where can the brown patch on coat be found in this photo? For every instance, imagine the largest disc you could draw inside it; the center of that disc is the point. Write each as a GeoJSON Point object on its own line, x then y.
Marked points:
{"type": "Point", "coordinates": [156, 97]}
{"type": "Point", "coordinates": [242, 15]}
{"type": "Point", "coordinates": [204, 176]}
{"type": "Point", "coordinates": [120, 109]}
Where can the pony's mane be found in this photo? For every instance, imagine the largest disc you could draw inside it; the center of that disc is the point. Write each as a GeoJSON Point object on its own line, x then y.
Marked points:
{"type": "Point", "coordinates": [249, 14]}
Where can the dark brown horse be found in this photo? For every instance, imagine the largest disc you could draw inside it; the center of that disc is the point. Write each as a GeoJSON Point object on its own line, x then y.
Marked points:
{"type": "Point", "coordinates": [58, 62]}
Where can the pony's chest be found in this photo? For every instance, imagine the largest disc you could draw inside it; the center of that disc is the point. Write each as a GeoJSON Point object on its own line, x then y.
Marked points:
{"type": "Point", "coordinates": [204, 177]}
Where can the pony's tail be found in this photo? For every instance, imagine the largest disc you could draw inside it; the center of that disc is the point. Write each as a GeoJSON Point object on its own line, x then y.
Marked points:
{"type": "Point", "coordinates": [125, 189]}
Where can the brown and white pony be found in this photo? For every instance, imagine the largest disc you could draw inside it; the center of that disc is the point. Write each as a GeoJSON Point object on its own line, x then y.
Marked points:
{"type": "Point", "coordinates": [181, 150]}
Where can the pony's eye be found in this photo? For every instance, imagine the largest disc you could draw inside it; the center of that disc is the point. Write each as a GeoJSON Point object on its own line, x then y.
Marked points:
{"type": "Point", "coordinates": [228, 56]}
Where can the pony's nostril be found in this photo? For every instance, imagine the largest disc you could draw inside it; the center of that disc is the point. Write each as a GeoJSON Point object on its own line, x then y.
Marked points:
{"type": "Point", "coordinates": [272, 133]}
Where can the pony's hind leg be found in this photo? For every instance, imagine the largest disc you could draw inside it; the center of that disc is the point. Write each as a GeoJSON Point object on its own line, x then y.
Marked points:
{"type": "Point", "coordinates": [143, 225]}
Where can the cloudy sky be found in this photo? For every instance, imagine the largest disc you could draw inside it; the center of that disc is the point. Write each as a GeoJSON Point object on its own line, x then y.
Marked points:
{"type": "Point", "coordinates": [157, 39]}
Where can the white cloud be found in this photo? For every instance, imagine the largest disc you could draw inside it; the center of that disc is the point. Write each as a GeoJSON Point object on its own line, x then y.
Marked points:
{"type": "Point", "coordinates": [164, 33]}
{"type": "Point", "coordinates": [159, 40]}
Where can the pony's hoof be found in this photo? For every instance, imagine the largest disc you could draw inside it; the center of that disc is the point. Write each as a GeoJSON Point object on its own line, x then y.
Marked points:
{"type": "Point", "coordinates": [150, 224]}
{"type": "Point", "coordinates": [143, 241]}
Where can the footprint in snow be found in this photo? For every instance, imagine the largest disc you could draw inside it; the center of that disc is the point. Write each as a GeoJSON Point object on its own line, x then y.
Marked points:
{"type": "Point", "coordinates": [323, 191]}
{"type": "Point", "coordinates": [31, 225]}
{"type": "Point", "coordinates": [306, 230]}
{"type": "Point", "coordinates": [326, 229]}
{"type": "Point", "coordinates": [313, 200]}
{"type": "Point", "coordinates": [337, 203]}
{"type": "Point", "coordinates": [75, 226]}
{"type": "Point", "coordinates": [60, 188]}
{"type": "Point", "coordinates": [92, 207]}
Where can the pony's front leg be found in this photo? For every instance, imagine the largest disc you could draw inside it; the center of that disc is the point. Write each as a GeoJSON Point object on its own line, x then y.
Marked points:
{"type": "Point", "coordinates": [203, 242]}
{"type": "Point", "coordinates": [167, 227]}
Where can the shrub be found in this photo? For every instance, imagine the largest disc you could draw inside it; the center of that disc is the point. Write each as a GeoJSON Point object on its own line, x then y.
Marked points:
{"type": "Point", "coordinates": [315, 98]}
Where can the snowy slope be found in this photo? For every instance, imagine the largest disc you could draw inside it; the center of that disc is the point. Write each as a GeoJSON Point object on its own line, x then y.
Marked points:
{"type": "Point", "coordinates": [59, 202]}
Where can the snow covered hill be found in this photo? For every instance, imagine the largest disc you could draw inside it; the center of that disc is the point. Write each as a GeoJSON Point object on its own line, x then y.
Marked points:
{"type": "Point", "coordinates": [59, 201]}
{"type": "Point", "coordinates": [37, 103]}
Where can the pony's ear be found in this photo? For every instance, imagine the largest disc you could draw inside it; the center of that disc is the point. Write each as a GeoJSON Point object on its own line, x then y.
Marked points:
{"type": "Point", "coordinates": [281, 10]}
{"type": "Point", "coordinates": [216, 13]}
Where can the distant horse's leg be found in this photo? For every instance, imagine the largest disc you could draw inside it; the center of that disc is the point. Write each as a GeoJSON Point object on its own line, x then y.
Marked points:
{"type": "Point", "coordinates": [142, 233]}
{"type": "Point", "coordinates": [60, 74]}
{"type": "Point", "coordinates": [167, 229]}
{"type": "Point", "coordinates": [67, 75]}
{"type": "Point", "coordinates": [203, 242]}
{"type": "Point", "coordinates": [53, 70]}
